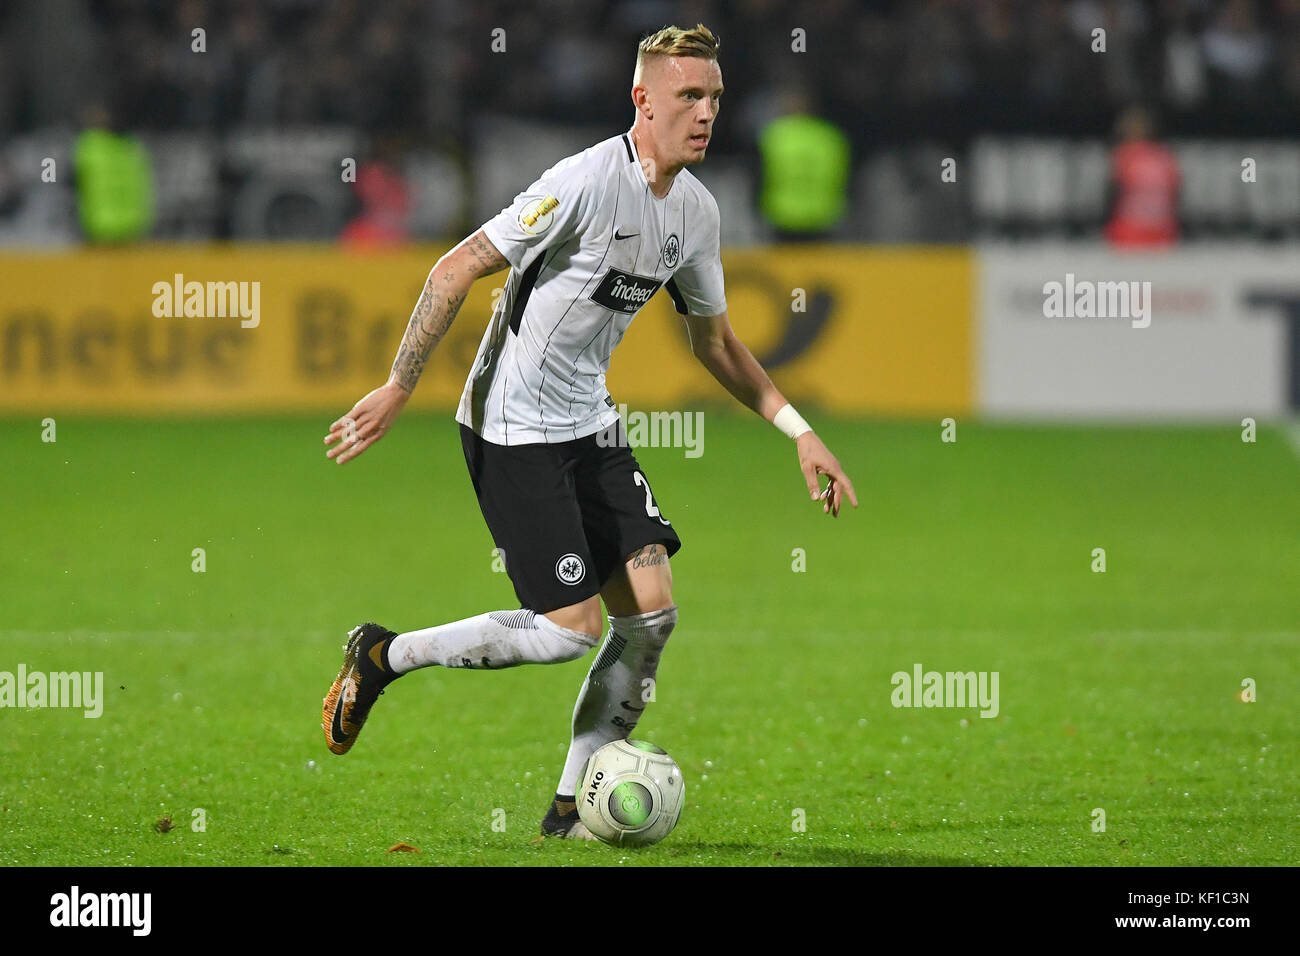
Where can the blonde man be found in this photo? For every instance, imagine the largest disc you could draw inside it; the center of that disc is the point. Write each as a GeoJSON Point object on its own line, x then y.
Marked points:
{"type": "Point", "coordinates": [587, 245]}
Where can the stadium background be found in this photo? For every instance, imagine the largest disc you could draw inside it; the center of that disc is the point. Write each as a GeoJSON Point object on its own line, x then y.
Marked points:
{"type": "Point", "coordinates": [969, 150]}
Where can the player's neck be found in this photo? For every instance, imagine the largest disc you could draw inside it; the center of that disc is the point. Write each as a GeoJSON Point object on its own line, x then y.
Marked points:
{"type": "Point", "coordinates": [659, 176]}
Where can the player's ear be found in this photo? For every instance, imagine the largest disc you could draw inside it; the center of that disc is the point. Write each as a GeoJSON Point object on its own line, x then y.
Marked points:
{"type": "Point", "coordinates": [641, 99]}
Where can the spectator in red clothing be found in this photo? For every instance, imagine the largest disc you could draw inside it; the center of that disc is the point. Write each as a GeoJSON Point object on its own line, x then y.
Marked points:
{"type": "Point", "coordinates": [1144, 185]}
{"type": "Point", "coordinates": [385, 207]}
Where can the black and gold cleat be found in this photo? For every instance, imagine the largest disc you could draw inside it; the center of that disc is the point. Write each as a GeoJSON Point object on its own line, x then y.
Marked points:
{"type": "Point", "coordinates": [365, 674]}
{"type": "Point", "coordinates": [562, 821]}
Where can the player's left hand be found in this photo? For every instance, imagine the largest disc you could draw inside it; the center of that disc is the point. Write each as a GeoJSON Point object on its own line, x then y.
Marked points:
{"type": "Point", "coordinates": [815, 459]}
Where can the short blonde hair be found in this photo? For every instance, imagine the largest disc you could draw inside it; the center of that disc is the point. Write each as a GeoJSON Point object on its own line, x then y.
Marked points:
{"type": "Point", "coordinates": [674, 41]}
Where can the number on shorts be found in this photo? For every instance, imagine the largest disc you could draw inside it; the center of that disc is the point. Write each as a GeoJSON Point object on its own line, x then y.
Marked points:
{"type": "Point", "coordinates": [651, 509]}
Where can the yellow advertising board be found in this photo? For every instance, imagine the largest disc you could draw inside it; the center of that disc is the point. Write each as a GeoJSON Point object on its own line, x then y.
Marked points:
{"type": "Point", "coordinates": [183, 329]}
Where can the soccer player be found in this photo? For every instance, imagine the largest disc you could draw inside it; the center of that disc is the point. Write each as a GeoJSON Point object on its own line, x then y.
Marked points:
{"type": "Point", "coordinates": [587, 245]}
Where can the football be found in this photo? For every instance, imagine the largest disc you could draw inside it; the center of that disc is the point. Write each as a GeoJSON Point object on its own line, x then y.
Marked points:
{"type": "Point", "coordinates": [630, 793]}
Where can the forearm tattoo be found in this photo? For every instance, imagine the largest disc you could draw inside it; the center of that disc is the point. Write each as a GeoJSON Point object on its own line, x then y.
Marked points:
{"type": "Point", "coordinates": [435, 311]}
{"type": "Point", "coordinates": [430, 321]}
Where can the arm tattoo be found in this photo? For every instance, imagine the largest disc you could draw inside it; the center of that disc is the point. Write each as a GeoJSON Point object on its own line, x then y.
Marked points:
{"type": "Point", "coordinates": [430, 321]}
{"type": "Point", "coordinates": [434, 313]}
{"type": "Point", "coordinates": [486, 255]}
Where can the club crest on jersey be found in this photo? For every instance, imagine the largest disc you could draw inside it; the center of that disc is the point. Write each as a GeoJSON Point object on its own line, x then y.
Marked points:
{"type": "Point", "coordinates": [672, 251]}
{"type": "Point", "coordinates": [623, 291]}
{"type": "Point", "coordinates": [535, 218]}
{"type": "Point", "coordinates": [570, 569]}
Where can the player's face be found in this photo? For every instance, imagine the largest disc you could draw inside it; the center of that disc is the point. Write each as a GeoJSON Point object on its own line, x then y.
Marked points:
{"type": "Point", "coordinates": [686, 95]}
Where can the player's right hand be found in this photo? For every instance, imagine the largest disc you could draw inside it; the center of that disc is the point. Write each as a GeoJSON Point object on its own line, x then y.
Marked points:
{"type": "Point", "coordinates": [368, 422]}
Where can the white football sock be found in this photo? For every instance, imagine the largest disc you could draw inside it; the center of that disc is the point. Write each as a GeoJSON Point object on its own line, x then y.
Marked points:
{"type": "Point", "coordinates": [489, 641]}
{"type": "Point", "coordinates": [610, 702]}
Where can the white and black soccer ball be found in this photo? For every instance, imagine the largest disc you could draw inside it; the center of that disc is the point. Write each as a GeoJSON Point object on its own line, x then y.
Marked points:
{"type": "Point", "coordinates": [630, 793]}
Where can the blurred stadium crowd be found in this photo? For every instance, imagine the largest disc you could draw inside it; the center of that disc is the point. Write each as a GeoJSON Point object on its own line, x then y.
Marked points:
{"type": "Point", "coordinates": [449, 107]}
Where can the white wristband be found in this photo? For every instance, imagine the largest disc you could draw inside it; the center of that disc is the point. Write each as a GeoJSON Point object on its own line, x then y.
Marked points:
{"type": "Point", "coordinates": [791, 422]}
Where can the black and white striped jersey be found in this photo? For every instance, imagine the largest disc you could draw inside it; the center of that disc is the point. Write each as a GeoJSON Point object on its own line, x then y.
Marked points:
{"type": "Point", "coordinates": [588, 245]}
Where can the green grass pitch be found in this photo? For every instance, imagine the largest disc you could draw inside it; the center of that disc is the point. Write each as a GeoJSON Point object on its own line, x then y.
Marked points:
{"type": "Point", "coordinates": [1118, 690]}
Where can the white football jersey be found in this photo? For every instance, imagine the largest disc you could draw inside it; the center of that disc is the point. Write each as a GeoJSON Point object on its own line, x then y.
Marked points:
{"type": "Point", "coordinates": [588, 245]}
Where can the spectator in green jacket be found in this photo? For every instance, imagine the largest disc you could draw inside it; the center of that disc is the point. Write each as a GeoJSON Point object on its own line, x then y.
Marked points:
{"type": "Point", "coordinates": [115, 199]}
{"type": "Point", "coordinates": [805, 178]}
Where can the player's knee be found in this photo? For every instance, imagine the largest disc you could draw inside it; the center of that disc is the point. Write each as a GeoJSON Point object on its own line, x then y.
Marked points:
{"type": "Point", "coordinates": [655, 594]}
{"type": "Point", "coordinates": [657, 601]}
{"type": "Point", "coordinates": [584, 617]}
{"type": "Point", "coordinates": [643, 585]}
{"type": "Point", "coordinates": [642, 601]}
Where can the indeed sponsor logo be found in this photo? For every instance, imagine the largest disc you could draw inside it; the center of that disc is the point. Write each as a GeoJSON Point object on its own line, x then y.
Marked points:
{"type": "Point", "coordinates": [631, 291]}
{"type": "Point", "coordinates": [623, 291]}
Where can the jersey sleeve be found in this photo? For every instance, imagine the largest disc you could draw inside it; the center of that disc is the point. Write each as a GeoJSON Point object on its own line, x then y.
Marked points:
{"type": "Point", "coordinates": [547, 214]}
{"type": "Point", "coordinates": [696, 287]}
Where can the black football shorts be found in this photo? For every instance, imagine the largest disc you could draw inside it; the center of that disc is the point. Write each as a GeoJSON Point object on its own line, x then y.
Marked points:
{"type": "Point", "coordinates": [565, 515]}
